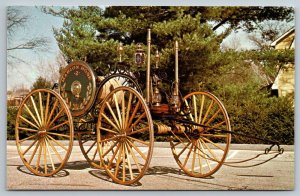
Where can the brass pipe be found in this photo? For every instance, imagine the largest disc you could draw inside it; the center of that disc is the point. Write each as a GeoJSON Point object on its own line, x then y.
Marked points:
{"type": "Point", "coordinates": [176, 91]}
{"type": "Point", "coordinates": [148, 67]}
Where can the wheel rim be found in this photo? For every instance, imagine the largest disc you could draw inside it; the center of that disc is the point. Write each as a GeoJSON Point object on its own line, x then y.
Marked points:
{"type": "Point", "coordinates": [44, 132]}
{"type": "Point", "coordinates": [88, 147]}
{"type": "Point", "coordinates": [202, 155]}
{"type": "Point", "coordinates": [125, 135]}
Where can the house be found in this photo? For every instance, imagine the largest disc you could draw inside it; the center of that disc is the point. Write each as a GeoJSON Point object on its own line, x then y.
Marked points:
{"type": "Point", "coordinates": [284, 83]}
{"type": "Point", "coordinates": [15, 97]}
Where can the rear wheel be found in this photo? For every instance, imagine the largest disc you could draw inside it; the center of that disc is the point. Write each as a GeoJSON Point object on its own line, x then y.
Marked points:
{"type": "Point", "coordinates": [44, 132]}
{"type": "Point", "coordinates": [125, 135]}
{"type": "Point", "coordinates": [199, 151]}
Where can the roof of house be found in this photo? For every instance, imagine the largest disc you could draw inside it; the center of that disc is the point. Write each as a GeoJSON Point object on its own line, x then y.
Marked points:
{"type": "Point", "coordinates": [284, 36]}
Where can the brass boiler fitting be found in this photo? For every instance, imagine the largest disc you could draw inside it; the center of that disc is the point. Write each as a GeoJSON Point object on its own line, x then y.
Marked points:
{"type": "Point", "coordinates": [174, 100]}
{"type": "Point", "coordinates": [161, 128]}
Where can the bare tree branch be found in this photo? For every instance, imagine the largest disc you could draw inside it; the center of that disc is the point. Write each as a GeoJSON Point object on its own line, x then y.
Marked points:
{"type": "Point", "coordinates": [40, 43]}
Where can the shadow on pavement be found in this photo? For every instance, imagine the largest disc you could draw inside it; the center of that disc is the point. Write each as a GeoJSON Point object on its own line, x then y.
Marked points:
{"type": "Point", "coordinates": [61, 173]}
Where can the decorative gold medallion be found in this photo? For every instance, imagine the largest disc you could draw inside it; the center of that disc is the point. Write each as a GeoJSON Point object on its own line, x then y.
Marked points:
{"type": "Point", "coordinates": [76, 88]}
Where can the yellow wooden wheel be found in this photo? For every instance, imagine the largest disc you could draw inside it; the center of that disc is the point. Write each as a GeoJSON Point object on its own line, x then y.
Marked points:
{"type": "Point", "coordinates": [125, 135]}
{"type": "Point", "coordinates": [87, 138]}
{"type": "Point", "coordinates": [88, 146]}
{"type": "Point", "coordinates": [44, 132]}
{"type": "Point", "coordinates": [198, 151]}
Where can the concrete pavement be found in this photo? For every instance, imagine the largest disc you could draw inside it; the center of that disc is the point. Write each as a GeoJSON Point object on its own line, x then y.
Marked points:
{"type": "Point", "coordinates": [277, 173]}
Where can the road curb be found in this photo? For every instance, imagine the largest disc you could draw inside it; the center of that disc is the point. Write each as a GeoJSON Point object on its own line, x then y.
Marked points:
{"type": "Point", "coordinates": [257, 147]}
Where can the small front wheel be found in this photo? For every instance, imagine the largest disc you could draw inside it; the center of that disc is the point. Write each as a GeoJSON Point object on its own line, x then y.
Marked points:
{"type": "Point", "coordinates": [199, 151]}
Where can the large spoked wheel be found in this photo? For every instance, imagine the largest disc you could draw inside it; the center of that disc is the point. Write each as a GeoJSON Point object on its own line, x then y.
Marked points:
{"type": "Point", "coordinates": [199, 151]}
{"type": "Point", "coordinates": [44, 132]}
{"type": "Point", "coordinates": [125, 135]}
{"type": "Point", "coordinates": [87, 138]}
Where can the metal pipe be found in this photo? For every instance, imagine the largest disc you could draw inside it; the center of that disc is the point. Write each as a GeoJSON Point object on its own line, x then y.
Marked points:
{"type": "Point", "coordinates": [148, 67]}
{"type": "Point", "coordinates": [176, 91]}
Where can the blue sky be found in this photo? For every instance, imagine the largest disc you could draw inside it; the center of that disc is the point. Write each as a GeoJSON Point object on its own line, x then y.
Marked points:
{"type": "Point", "coordinates": [38, 25]}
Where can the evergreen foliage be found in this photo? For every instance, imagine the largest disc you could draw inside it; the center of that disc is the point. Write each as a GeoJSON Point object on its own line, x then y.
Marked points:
{"type": "Point", "coordinates": [93, 34]}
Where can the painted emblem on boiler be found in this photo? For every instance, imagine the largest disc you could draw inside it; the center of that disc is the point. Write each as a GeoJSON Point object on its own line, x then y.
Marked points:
{"type": "Point", "coordinates": [76, 88]}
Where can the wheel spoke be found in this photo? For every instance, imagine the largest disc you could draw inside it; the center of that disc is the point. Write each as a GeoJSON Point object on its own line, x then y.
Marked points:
{"type": "Point", "coordinates": [194, 157]}
{"type": "Point", "coordinates": [30, 146]}
{"type": "Point", "coordinates": [118, 110]}
{"type": "Point", "coordinates": [118, 160]}
{"type": "Point", "coordinates": [134, 157]}
{"type": "Point", "coordinates": [208, 140]}
{"type": "Point", "coordinates": [188, 155]}
{"type": "Point", "coordinates": [128, 110]}
{"type": "Point", "coordinates": [111, 123]}
{"type": "Point", "coordinates": [87, 152]}
{"type": "Point", "coordinates": [123, 110]}
{"type": "Point", "coordinates": [57, 142]}
{"type": "Point", "coordinates": [27, 138]}
{"type": "Point", "coordinates": [205, 156]}
{"type": "Point", "coordinates": [133, 113]}
{"type": "Point", "coordinates": [210, 151]}
{"type": "Point", "coordinates": [56, 117]}
{"type": "Point", "coordinates": [36, 111]}
{"type": "Point", "coordinates": [47, 107]}
{"type": "Point", "coordinates": [201, 109]}
{"type": "Point", "coordinates": [124, 162]}
{"type": "Point", "coordinates": [39, 156]}
{"type": "Point", "coordinates": [138, 131]}
{"type": "Point", "coordinates": [41, 108]}
{"type": "Point", "coordinates": [114, 155]}
{"type": "Point", "coordinates": [50, 156]}
{"type": "Point", "coordinates": [52, 111]}
{"type": "Point", "coordinates": [94, 156]}
{"type": "Point", "coordinates": [137, 149]}
{"type": "Point", "coordinates": [27, 129]}
{"type": "Point", "coordinates": [34, 151]}
{"type": "Point", "coordinates": [110, 149]}
{"type": "Point", "coordinates": [195, 107]}
{"type": "Point", "coordinates": [207, 112]}
{"type": "Point", "coordinates": [27, 121]}
{"type": "Point", "coordinates": [183, 149]}
{"type": "Point", "coordinates": [54, 149]}
{"type": "Point", "coordinates": [140, 141]}
{"type": "Point", "coordinates": [128, 161]}
{"type": "Point", "coordinates": [109, 139]}
{"type": "Point", "coordinates": [216, 126]}
{"type": "Point", "coordinates": [58, 134]}
{"type": "Point", "coordinates": [113, 114]}
{"type": "Point", "coordinates": [32, 116]}
{"type": "Point", "coordinates": [45, 157]}
{"type": "Point", "coordinates": [213, 117]}
{"type": "Point", "coordinates": [199, 156]}
{"type": "Point", "coordinates": [59, 125]}
{"type": "Point", "coordinates": [138, 120]}
{"type": "Point", "coordinates": [108, 130]}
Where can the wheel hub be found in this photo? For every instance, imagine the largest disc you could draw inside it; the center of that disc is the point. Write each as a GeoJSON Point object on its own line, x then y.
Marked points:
{"type": "Point", "coordinates": [42, 133]}
{"type": "Point", "coordinates": [123, 137]}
